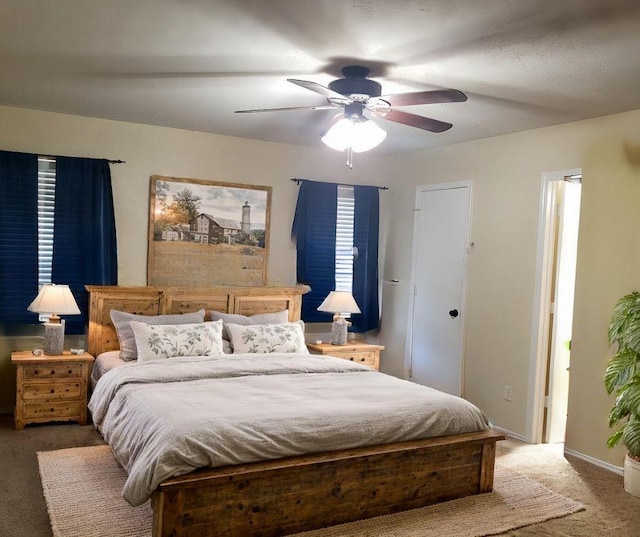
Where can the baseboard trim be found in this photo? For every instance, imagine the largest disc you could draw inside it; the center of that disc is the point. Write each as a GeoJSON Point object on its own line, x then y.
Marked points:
{"type": "Point", "coordinates": [509, 433]}
{"type": "Point", "coordinates": [596, 462]}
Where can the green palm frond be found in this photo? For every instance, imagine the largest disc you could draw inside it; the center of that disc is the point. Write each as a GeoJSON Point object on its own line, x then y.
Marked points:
{"type": "Point", "coordinates": [617, 413]}
{"type": "Point", "coordinates": [627, 403]}
{"type": "Point", "coordinates": [632, 339]}
{"type": "Point", "coordinates": [615, 438]}
{"type": "Point", "coordinates": [622, 374]}
{"type": "Point", "coordinates": [626, 309]}
{"type": "Point", "coordinates": [620, 369]}
{"type": "Point", "coordinates": [631, 437]}
{"type": "Point", "coordinates": [631, 395]}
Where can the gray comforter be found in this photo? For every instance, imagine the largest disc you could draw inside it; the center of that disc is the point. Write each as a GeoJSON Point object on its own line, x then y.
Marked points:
{"type": "Point", "coordinates": [168, 417]}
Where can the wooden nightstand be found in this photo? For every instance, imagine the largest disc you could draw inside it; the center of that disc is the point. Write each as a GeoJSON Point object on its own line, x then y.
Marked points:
{"type": "Point", "coordinates": [363, 353]}
{"type": "Point", "coordinates": [51, 388]}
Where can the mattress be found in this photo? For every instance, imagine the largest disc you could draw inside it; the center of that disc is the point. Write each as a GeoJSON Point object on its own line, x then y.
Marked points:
{"type": "Point", "coordinates": [105, 362]}
{"type": "Point", "coordinates": [168, 417]}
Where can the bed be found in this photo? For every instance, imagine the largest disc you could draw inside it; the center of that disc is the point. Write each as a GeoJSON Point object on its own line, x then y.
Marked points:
{"type": "Point", "coordinates": [288, 494]}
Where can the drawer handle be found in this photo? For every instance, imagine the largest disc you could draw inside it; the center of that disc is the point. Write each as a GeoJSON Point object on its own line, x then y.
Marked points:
{"type": "Point", "coordinates": [351, 358]}
{"type": "Point", "coordinates": [53, 372]}
{"type": "Point", "coordinates": [52, 410]}
{"type": "Point", "coordinates": [362, 359]}
{"type": "Point", "coordinates": [70, 371]}
{"type": "Point", "coordinates": [36, 372]}
{"type": "Point", "coordinates": [52, 390]}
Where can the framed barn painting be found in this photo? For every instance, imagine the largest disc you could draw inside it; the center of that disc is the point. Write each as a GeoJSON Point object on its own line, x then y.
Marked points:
{"type": "Point", "coordinates": [204, 233]}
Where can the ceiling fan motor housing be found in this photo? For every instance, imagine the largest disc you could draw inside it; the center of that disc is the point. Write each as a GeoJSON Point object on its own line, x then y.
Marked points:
{"type": "Point", "coordinates": [356, 82]}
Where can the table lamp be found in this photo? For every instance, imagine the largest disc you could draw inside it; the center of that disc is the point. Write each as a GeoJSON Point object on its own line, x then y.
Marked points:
{"type": "Point", "coordinates": [54, 300]}
{"type": "Point", "coordinates": [339, 303]}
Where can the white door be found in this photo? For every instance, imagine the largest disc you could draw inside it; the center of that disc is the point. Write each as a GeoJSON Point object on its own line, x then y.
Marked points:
{"type": "Point", "coordinates": [568, 207]}
{"type": "Point", "coordinates": [438, 275]}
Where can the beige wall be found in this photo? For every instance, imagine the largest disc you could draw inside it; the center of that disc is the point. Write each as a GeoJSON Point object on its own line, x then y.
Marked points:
{"type": "Point", "coordinates": [506, 175]}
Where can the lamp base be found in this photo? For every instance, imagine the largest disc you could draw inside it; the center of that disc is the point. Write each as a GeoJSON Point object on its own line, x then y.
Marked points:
{"type": "Point", "coordinates": [53, 338]}
{"type": "Point", "coordinates": [339, 331]}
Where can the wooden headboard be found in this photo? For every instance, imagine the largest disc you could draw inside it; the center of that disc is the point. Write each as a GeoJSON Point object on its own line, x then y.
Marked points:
{"type": "Point", "coordinates": [165, 300]}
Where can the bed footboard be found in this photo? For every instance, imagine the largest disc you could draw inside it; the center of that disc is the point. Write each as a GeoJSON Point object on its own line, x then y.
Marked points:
{"type": "Point", "coordinates": [285, 496]}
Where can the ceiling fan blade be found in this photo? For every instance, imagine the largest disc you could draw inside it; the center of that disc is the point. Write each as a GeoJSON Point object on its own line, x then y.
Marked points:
{"type": "Point", "coordinates": [414, 120]}
{"type": "Point", "coordinates": [322, 90]}
{"type": "Point", "coordinates": [321, 107]}
{"type": "Point", "coordinates": [425, 97]}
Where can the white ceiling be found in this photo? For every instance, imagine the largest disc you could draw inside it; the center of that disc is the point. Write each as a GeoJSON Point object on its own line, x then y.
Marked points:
{"type": "Point", "coordinates": [191, 63]}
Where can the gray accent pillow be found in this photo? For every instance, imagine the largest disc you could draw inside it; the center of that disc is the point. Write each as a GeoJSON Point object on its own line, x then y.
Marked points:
{"type": "Point", "coordinates": [121, 320]}
{"type": "Point", "coordinates": [277, 317]}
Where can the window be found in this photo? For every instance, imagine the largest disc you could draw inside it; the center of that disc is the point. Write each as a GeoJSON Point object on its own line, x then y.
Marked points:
{"type": "Point", "coordinates": [335, 228]}
{"type": "Point", "coordinates": [46, 211]}
{"type": "Point", "coordinates": [67, 197]}
{"type": "Point", "coordinates": [344, 239]}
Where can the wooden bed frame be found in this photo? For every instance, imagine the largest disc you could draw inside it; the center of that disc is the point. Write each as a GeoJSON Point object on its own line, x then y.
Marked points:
{"type": "Point", "coordinates": [284, 496]}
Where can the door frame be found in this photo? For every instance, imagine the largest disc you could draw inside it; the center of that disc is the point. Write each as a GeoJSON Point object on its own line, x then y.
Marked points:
{"type": "Point", "coordinates": [463, 303]}
{"type": "Point", "coordinates": [541, 305]}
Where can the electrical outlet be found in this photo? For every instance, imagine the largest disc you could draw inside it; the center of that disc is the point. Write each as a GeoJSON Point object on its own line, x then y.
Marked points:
{"type": "Point", "coordinates": [508, 392]}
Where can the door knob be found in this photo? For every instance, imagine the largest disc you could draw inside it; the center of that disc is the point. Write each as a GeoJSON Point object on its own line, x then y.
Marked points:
{"type": "Point", "coordinates": [453, 314]}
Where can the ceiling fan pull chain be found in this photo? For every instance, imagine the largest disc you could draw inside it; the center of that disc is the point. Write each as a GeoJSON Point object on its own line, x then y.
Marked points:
{"type": "Point", "coordinates": [350, 158]}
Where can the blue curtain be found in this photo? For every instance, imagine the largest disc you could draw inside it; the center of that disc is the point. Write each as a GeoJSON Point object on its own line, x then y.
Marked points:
{"type": "Point", "coordinates": [365, 266]}
{"type": "Point", "coordinates": [18, 235]}
{"type": "Point", "coordinates": [84, 247]}
{"type": "Point", "coordinates": [314, 232]}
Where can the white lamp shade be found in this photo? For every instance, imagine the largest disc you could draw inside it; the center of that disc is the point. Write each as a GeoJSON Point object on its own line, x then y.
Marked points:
{"type": "Point", "coordinates": [359, 134]}
{"type": "Point", "coordinates": [339, 302]}
{"type": "Point", "coordinates": [56, 299]}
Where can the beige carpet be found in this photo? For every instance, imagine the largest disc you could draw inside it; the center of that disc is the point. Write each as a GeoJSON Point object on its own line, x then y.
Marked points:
{"type": "Point", "coordinates": [82, 491]}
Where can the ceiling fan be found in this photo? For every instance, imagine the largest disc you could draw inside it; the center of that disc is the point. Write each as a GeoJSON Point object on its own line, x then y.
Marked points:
{"type": "Point", "coordinates": [357, 94]}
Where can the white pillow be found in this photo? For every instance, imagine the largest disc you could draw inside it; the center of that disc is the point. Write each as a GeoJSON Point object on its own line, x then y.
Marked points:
{"type": "Point", "coordinates": [163, 341]}
{"type": "Point", "coordinates": [121, 320]}
{"type": "Point", "coordinates": [266, 338]}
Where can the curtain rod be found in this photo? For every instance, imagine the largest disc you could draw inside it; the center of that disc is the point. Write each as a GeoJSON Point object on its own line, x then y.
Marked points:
{"type": "Point", "coordinates": [109, 160]}
{"type": "Point", "coordinates": [297, 181]}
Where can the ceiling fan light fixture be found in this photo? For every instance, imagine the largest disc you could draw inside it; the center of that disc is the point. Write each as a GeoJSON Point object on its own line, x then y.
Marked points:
{"type": "Point", "coordinates": [358, 133]}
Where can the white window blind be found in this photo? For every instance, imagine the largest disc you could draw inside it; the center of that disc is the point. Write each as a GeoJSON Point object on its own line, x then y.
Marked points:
{"type": "Point", "coordinates": [344, 239]}
{"type": "Point", "coordinates": [46, 207]}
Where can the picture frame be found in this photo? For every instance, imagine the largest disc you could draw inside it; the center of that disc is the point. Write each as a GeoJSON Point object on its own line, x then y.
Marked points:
{"type": "Point", "coordinates": [204, 233]}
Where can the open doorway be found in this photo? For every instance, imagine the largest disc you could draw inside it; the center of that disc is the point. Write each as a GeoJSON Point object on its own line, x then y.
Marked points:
{"type": "Point", "coordinates": [553, 318]}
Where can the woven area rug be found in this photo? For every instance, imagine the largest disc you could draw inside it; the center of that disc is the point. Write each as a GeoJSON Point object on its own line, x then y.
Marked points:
{"type": "Point", "coordinates": [82, 489]}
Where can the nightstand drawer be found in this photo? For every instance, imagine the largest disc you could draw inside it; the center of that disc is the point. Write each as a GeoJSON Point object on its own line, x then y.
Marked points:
{"type": "Point", "coordinates": [52, 371]}
{"type": "Point", "coordinates": [57, 410]}
{"type": "Point", "coordinates": [364, 357]}
{"type": "Point", "coordinates": [361, 353]}
{"type": "Point", "coordinates": [52, 391]}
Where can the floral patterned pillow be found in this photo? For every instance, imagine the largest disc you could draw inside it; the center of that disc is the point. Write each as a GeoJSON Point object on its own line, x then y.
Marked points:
{"type": "Point", "coordinates": [163, 341]}
{"type": "Point", "coordinates": [266, 338]}
{"type": "Point", "coordinates": [121, 320]}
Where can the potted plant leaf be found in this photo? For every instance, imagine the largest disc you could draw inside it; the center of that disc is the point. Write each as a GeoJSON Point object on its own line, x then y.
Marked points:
{"type": "Point", "coordinates": [622, 377]}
